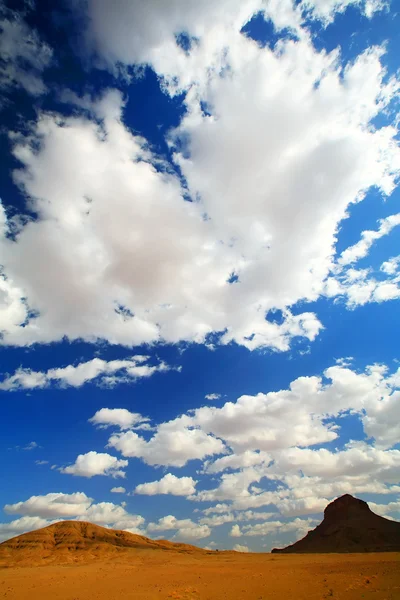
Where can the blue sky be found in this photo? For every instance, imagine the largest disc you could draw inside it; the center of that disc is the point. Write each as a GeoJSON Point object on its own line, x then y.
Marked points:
{"type": "Point", "coordinates": [200, 264]}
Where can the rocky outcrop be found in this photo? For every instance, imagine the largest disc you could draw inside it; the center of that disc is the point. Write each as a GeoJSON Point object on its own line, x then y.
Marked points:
{"type": "Point", "coordinates": [78, 541]}
{"type": "Point", "coordinates": [349, 525]}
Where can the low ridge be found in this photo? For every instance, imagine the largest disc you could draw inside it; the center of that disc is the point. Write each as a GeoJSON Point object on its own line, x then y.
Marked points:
{"type": "Point", "coordinates": [78, 541]}
{"type": "Point", "coordinates": [349, 525]}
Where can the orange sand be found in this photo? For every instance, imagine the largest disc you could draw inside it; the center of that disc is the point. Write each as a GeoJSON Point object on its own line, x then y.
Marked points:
{"type": "Point", "coordinates": [145, 573]}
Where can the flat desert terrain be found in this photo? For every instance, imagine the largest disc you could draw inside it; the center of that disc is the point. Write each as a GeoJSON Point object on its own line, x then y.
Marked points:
{"type": "Point", "coordinates": [210, 576]}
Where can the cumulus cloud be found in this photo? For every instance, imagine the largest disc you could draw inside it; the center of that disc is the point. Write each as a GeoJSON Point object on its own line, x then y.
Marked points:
{"type": "Point", "coordinates": [256, 445]}
{"type": "Point", "coordinates": [149, 33]}
{"type": "Point", "coordinates": [245, 515]}
{"type": "Point", "coordinates": [299, 526]}
{"type": "Point", "coordinates": [118, 490]}
{"type": "Point", "coordinates": [173, 444]}
{"type": "Point", "coordinates": [169, 484]}
{"type": "Point", "coordinates": [391, 266]}
{"type": "Point", "coordinates": [186, 529]}
{"type": "Point", "coordinates": [101, 372]}
{"type": "Point", "coordinates": [51, 505]}
{"type": "Point", "coordinates": [240, 548]}
{"type": "Point", "coordinates": [20, 526]}
{"type": "Point", "coordinates": [249, 458]}
{"type": "Point", "coordinates": [37, 511]}
{"type": "Point", "coordinates": [212, 396]}
{"type": "Point", "coordinates": [254, 430]}
{"type": "Point", "coordinates": [235, 531]}
{"type": "Point", "coordinates": [96, 463]}
{"type": "Point", "coordinates": [222, 263]}
{"type": "Point", "coordinates": [120, 417]}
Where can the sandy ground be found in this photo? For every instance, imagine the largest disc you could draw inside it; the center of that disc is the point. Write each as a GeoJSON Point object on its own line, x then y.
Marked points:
{"type": "Point", "coordinates": [165, 575]}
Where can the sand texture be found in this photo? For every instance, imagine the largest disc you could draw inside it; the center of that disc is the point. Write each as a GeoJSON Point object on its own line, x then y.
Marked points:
{"type": "Point", "coordinates": [147, 574]}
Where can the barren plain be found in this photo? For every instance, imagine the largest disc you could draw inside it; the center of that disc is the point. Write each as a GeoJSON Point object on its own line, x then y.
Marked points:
{"type": "Point", "coordinates": [148, 574]}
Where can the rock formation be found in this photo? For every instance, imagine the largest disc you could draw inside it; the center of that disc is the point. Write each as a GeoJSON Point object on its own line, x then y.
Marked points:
{"type": "Point", "coordinates": [78, 541]}
{"type": "Point", "coordinates": [349, 525]}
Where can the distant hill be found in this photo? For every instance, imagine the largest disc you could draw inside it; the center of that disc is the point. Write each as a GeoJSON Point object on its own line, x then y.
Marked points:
{"type": "Point", "coordinates": [78, 541]}
{"type": "Point", "coordinates": [349, 525]}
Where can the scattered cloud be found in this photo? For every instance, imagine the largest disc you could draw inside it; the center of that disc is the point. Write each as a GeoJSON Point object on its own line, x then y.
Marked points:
{"type": "Point", "coordinates": [173, 444]}
{"type": "Point", "coordinates": [360, 250]}
{"type": "Point", "coordinates": [391, 266]}
{"type": "Point", "coordinates": [169, 484]}
{"type": "Point", "coordinates": [22, 525]}
{"type": "Point", "coordinates": [99, 371]}
{"type": "Point", "coordinates": [31, 446]}
{"type": "Point", "coordinates": [120, 417]}
{"type": "Point", "coordinates": [185, 529]}
{"type": "Point", "coordinates": [299, 526]}
{"type": "Point", "coordinates": [51, 505]}
{"type": "Point", "coordinates": [38, 510]}
{"type": "Point", "coordinates": [96, 463]}
{"type": "Point", "coordinates": [24, 56]}
{"type": "Point", "coordinates": [235, 531]}
{"type": "Point", "coordinates": [212, 396]}
{"type": "Point", "coordinates": [118, 490]}
{"type": "Point", "coordinates": [240, 548]}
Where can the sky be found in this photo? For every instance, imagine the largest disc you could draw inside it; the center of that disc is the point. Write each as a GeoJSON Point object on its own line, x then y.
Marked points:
{"type": "Point", "coordinates": [199, 265]}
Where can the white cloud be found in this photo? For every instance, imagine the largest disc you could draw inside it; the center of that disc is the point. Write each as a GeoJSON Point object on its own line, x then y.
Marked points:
{"type": "Point", "coordinates": [96, 463]}
{"type": "Point", "coordinates": [112, 515]}
{"type": "Point", "coordinates": [133, 32]}
{"type": "Point", "coordinates": [299, 526]}
{"type": "Point", "coordinates": [246, 515]}
{"type": "Point", "coordinates": [37, 511]}
{"type": "Point", "coordinates": [31, 446]}
{"type": "Point", "coordinates": [173, 444]}
{"type": "Point", "coordinates": [212, 396]}
{"type": "Point", "coordinates": [24, 56]}
{"type": "Point", "coordinates": [240, 548]}
{"type": "Point", "coordinates": [118, 490]}
{"type": "Point", "coordinates": [169, 484]}
{"type": "Point", "coordinates": [97, 370]}
{"type": "Point", "coordinates": [255, 429]}
{"type": "Point", "coordinates": [51, 505]}
{"type": "Point", "coordinates": [20, 526]}
{"type": "Point", "coordinates": [311, 154]}
{"type": "Point", "coordinates": [249, 458]}
{"type": "Point", "coordinates": [121, 417]}
{"type": "Point", "coordinates": [386, 510]}
{"type": "Point", "coordinates": [186, 529]}
{"type": "Point", "coordinates": [361, 248]}
{"type": "Point", "coordinates": [235, 531]}
{"type": "Point", "coordinates": [326, 10]}
{"type": "Point", "coordinates": [391, 266]}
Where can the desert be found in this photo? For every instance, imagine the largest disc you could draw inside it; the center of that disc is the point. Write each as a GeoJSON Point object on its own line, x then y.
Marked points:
{"type": "Point", "coordinates": [148, 575]}
{"type": "Point", "coordinates": [75, 560]}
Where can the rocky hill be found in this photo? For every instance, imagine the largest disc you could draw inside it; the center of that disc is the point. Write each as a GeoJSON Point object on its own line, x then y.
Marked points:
{"type": "Point", "coordinates": [78, 541]}
{"type": "Point", "coordinates": [349, 525]}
